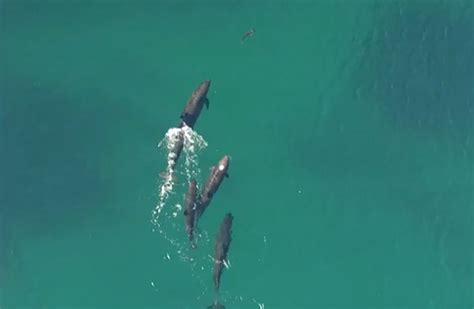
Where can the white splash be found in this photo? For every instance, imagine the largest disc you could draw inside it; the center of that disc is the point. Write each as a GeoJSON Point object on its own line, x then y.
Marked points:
{"type": "Point", "coordinates": [172, 140]}
{"type": "Point", "coordinates": [153, 285]}
{"type": "Point", "coordinates": [260, 305]}
{"type": "Point", "coordinates": [176, 140]}
{"type": "Point", "coordinates": [183, 144]}
{"type": "Point", "coordinates": [193, 143]}
{"type": "Point", "coordinates": [226, 263]}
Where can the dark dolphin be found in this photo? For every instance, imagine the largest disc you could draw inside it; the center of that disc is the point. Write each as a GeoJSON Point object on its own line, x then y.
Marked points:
{"type": "Point", "coordinates": [190, 210]}
{"type": "Point", "coordinates": [223, 240]}
{"type": "Point", "coordinates": [221, 249]}
{"type": "Point", "coordinates": [188, 117]}
{"type": "Point", "coordinates": [194, 106]}
{"type": "Point", "coordinates": [212, 184]}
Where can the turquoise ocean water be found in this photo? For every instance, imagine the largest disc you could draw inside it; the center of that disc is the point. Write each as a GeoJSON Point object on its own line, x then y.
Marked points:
{"type": "Point", "coordinates": [350, 130]}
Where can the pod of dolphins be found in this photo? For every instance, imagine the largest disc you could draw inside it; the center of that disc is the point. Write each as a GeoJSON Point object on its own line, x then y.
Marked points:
{"type": "Point", "coordinates": [196, 203]}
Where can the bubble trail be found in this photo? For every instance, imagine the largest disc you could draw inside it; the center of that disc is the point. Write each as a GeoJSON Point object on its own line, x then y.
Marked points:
{"type": "Point", "coordinates": [178, 140]}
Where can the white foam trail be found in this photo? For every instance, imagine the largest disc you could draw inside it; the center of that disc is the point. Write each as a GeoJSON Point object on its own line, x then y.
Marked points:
{"type": "Point", "coordinates": [192, 144]}
{"type": "Point", "coordinates": [171, 139]}
{"type": "Point", "coordinates": [166, 216]}
{"type": "Point", "coordinates": [260, 305]}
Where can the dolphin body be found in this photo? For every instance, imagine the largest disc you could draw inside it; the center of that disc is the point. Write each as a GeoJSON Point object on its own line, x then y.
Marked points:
{"type": "Point", "coordinates": [212, 184]}
{"type": "Point", "coordinates": [221, 248]}
{"type": "Point", "coordinates": [189, 117]}
{"type": "Point", "coordinates": [190, 211]}
{"type": "Point", "coordinates": [223, 240]}
{"type": "Point", "coordinates": [195, 104]}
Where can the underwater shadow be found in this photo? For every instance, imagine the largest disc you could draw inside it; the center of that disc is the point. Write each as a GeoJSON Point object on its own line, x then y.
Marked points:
{"type": "Point", "coordinates": [55, 147]}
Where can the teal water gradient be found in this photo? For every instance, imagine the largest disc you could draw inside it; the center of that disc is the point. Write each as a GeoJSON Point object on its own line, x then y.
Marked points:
{"type": "Point", "coordinates": [349, 124]}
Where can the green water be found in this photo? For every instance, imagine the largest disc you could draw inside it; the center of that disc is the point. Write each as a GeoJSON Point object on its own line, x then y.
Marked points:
{"type": "Point", "coordinates": [349, 125]}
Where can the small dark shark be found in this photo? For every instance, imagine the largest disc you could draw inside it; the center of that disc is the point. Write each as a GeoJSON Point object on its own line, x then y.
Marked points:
{"type": "Point", "coordinates": [212, 184]}
{"type": "Point", "coordinates": [190, 210]}
{"type": "Point", "coordinates": [194, 106]}
{"type": "Point", "coordinates": [247, 35]}
{"type": "Point", "coordinates": [223, 240]}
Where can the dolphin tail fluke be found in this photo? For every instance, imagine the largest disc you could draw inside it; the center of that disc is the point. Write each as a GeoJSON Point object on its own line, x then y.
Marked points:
{"type": "Point", "coordinates": [216, 305]}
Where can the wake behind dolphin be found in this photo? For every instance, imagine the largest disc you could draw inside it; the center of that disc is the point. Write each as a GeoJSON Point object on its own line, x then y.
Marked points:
{"type": "Point", "coordinates": [166, 216]}
{"type": "Point", "coordinates": [183, 138]}
{"type": "Point", "coordinates": [191, 143]}
{"type": "Point", "coordinates": [180, 139]}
